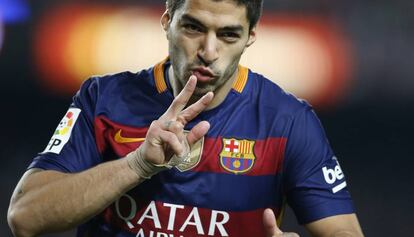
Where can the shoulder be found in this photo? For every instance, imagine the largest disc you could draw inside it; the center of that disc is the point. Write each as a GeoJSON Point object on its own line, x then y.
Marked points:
{"type": "Point", "coordinates": [102, 83]}
{"type": "Point", "coordinates": [106, 91]}
{"type": "Point", "coordinates": [106, 86]}
{"type": "Point", "coordinates": [271, 96]}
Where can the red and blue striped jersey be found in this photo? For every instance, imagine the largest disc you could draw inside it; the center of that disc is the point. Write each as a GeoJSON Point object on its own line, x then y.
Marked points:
{"type": "Point", "coordinates": [264, 148]}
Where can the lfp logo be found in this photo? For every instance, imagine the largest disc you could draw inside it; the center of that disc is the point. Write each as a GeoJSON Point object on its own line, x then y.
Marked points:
{"type": "Point", "coordinates": [237, 156]}
{"type": "Point", "coordinates": [65, 124]}
{"type": "Point", "coordinates": [62, 133]}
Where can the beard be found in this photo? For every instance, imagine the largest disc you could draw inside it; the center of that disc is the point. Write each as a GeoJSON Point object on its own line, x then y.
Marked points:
{"type": "Point", "coordinates": [183, 70]}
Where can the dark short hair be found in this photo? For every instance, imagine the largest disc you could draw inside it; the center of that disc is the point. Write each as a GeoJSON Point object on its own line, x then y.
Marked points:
{"type": "Point", "coordinates": [253, 7]}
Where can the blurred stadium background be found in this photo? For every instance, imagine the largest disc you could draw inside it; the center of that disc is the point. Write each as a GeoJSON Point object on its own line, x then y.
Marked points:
{"type": "Point", "coordinates": [353, 60]}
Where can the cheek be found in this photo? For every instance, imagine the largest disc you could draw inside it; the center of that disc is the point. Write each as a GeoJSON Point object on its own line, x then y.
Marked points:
{"type": "Point", "coordinates": [231, 56]}
{"type": "Point", "coordinates": [188, 47]}
{"type": "Point", "coordinates": [237, 50]}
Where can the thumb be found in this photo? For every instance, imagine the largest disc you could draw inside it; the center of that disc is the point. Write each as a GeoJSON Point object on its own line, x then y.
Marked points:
{"type": "Point", "coordinates": [270, 225]}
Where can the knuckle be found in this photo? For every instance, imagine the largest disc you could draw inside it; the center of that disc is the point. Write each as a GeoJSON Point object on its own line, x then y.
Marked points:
{"type": "Point", "coordinates": [191, 110]}
{"type": "Point", "coordinates": [176, 127]}
{"type": "Point", "coordinates": [171, 137]}
{"type": "Point", "coordinates": [205, 102]}
{"type": "Point", "coordinates": [154, 127]}
{"type": "Point", "coordinates": [155, 124]}
{"type": "Point", "coordinates": [179, 100]}
{"type": "Point", "coordinates": [181, 119]}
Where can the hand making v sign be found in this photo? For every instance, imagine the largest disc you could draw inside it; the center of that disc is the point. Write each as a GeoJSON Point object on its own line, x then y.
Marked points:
{"type": "Point", "coordinates": [165, 144]}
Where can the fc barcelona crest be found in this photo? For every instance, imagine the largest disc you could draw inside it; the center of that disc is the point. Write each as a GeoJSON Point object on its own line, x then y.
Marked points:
{"type": "Point", "coordinates": [237, 156]}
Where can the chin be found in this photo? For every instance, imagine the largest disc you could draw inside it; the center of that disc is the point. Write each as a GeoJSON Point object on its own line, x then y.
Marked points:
{"type": "Point", "coordinates": [199, 92]}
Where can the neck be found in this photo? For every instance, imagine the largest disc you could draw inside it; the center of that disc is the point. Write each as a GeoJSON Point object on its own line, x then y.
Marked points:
{"type": "Point", "coordinates": [219, 94]}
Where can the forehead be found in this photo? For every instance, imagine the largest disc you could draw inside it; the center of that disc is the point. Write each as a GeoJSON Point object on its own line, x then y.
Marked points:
{"type": "Point", "coordinates": [214, 13]}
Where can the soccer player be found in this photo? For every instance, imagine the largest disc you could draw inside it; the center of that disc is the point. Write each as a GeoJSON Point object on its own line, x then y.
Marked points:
{"type": "Point", "coordinates": [195, 146]}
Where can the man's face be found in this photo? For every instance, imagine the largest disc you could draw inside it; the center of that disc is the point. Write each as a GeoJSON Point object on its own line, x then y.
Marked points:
{"type": "Point", "coordinates": [206, 39]}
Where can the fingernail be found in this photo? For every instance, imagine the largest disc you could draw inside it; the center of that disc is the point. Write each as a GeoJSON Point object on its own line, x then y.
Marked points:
{"type": "Point", "coordinates": [192, 77]}
{"type": "Point", "coordinates": [208, 94]}
{"type": "Point", "coordinates": [207, 124]}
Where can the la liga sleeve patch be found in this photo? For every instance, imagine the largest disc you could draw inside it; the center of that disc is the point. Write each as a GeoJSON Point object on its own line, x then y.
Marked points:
{"type": "Point", "coordinates": [63, 131]}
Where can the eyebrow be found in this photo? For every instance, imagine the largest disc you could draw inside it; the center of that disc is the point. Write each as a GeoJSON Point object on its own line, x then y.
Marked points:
{"type": "Point", "coordinates": [191, 19]}
{"type": "Point", "coordinates": [233, 28]}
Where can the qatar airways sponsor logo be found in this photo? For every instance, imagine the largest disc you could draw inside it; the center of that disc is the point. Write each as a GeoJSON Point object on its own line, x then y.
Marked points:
{"type": "Point", "coordinates": [216, 224]}
{"type": "Point", "coordinates": [333, 175]}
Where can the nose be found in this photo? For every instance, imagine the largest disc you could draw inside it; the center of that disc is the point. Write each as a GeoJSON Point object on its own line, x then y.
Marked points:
{"type": "Point", "coordinates": [208, 52]}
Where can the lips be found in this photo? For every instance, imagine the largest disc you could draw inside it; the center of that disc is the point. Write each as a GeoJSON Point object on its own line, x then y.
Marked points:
{"type": "Point", "coordinates": [203, 74]}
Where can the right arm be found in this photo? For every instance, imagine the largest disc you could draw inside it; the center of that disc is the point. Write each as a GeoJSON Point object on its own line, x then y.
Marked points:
{"type": "Point", "coordinates": [51, 201]}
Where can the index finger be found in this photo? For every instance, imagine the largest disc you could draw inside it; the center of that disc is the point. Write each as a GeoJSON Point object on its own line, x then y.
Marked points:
{"type": "Point", "coordinates": [182, 99]}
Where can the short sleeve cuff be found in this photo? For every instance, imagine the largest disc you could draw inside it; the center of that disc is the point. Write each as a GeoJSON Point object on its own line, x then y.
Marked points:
{"type": "Point", "coordinates": [47, 162]}
{"type": "Point", "coordinates": [322, 210]}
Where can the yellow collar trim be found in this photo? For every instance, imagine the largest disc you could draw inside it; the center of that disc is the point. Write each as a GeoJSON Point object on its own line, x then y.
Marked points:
{"type": "Point", "coordinates": [241, 80]}
{"type": "Point", "coordinates": [159, 76]}
{"type": "Point", "coordinates": [238, 85]}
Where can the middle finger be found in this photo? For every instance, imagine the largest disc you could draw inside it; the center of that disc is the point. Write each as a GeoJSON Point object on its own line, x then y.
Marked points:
{"type": "Point", "coordinates": [195, 109]}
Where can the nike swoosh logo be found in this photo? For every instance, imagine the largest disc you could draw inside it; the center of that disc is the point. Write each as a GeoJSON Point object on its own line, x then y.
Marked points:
{"type": "Point", "coordinates": [120, 139]}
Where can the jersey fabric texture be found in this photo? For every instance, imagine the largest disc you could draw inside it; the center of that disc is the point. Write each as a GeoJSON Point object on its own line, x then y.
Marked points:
{"type": "Point", "coordinates": [265, 148]}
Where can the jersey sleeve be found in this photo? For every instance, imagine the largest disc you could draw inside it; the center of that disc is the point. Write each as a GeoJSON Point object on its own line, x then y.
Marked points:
{"type": "Point", "coordinates": [72, 147]}
{"type": "Point", "coordinates": [314, 183]}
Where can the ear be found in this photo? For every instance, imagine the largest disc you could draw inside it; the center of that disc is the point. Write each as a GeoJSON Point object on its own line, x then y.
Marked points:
{"type": "Point", "coordinates": [165, 20]}
{"type": "Point", "coordinates": [252, 37]}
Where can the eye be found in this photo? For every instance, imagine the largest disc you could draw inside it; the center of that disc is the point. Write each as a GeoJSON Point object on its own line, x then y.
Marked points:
{"type": "Point", "coordinates": [191, 28]}
{"type": "Point", "coordinates": [229, 36]}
